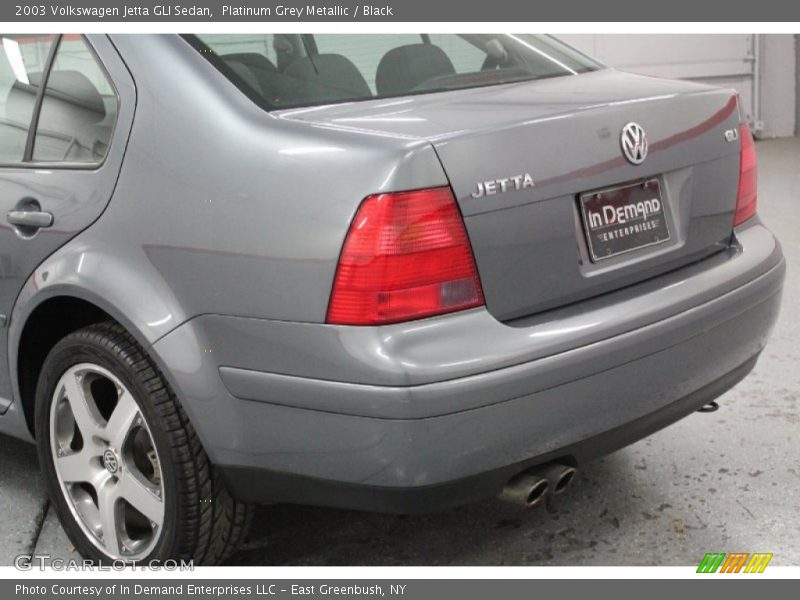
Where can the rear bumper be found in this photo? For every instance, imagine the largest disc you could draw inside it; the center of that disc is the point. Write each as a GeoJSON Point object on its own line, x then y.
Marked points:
{"type": "Point", "coordinates": [434, 413]}
{"type": "Point", "coordinates": [259, 485]}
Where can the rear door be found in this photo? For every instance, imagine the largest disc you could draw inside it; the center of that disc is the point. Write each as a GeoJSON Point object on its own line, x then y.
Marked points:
{"type": "Point", "coordinates": [66, 108]}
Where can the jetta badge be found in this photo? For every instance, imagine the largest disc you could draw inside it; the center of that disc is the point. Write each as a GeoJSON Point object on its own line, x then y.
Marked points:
{"type": "Point", "coordinates": [500, 186]}
{"type": "Point", "coordinates": [634, 143]}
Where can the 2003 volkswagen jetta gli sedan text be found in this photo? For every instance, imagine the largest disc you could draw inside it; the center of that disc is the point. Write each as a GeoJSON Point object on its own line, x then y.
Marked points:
{"type": "Point", "coordinates": [384, 272]}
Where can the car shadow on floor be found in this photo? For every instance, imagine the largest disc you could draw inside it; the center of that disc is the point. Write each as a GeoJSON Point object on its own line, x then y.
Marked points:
{"type": "Point", "coordinates": [583, 521]}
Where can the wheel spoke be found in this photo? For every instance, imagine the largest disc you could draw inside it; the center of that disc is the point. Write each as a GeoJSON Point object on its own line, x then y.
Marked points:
{"type": "Point", "coordinates": [83, 409]}
{"type": "Point", "coordinates": [76, 467]}
{"type": "Point", "coordinates": [122, 419]}
{"type": "Point", "coordinates": [141, 498]}
{"type": "Point", "coordinates": [107, 499]}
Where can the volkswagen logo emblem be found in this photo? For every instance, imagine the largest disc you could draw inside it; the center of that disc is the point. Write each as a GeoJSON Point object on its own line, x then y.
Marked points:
{"type": "Point", "coordinates": [110, 461]}
{"type": "Point", "coordinates": [634, 143]}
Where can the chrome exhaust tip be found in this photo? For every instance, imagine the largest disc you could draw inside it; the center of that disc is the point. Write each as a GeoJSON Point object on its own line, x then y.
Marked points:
{"type": "Point", "coordinates": [559, 477]}
{"type": "Point", "coordinates": [527, 489]}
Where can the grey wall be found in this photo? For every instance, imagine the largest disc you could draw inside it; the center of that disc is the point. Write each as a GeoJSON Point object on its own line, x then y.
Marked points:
{"type": "Point", "coordinates": [778, 86]}
{"type": "Point", "coordinates": [797, 83]}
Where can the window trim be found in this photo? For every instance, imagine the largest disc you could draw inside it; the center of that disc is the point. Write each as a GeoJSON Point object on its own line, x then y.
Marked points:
{"type": "Point", "coordinates": [27, 161]}
{"type": "Point", "coordinates": [37, 103]}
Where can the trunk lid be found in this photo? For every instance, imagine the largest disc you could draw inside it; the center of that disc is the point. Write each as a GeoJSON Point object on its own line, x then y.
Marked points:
{"type": "Point", "coordinates": [529, 242]}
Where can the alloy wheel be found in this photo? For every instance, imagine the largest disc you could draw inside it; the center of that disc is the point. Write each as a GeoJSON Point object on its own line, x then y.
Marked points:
{"type": "Point", "coordinates": [106, 462]}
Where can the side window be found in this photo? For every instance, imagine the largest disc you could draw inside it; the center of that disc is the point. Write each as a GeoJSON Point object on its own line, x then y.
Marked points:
{"type": "Point", "coordinates": [79, 107]}
{"type": "Point", "coordinates": [466, 57]}
{"type": "Point", "coordinates": [22, 61]}
{"type": "Point", "coordinates": [365, 51]}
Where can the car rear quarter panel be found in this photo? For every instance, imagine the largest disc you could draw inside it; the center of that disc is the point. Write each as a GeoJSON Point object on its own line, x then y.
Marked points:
{"type": "Point", "coordinates": [227, 210]}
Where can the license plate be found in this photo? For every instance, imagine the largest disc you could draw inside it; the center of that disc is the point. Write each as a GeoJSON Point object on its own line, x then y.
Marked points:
{"type": "Point", "coordinates": [625, 218]}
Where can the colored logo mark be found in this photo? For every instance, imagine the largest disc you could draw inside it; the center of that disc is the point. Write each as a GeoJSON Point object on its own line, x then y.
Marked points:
{"type": "Point", "coordinates": [734, 562]}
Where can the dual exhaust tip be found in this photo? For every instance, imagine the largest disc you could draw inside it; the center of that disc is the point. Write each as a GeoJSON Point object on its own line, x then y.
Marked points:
{"type": "Point", "coordinates": [530, 487]}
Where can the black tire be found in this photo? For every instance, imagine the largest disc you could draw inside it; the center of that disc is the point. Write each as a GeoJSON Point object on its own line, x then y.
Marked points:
{"type": "Point", "coordinates": [202, 522]}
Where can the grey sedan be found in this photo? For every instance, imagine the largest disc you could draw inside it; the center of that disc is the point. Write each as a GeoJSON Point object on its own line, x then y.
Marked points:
{"type": "Point", "coordinates": [386, 272]}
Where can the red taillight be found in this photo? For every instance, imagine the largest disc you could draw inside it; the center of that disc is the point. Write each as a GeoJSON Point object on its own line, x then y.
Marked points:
{"type": "Point", "coordinates": [748, 178]}
{"type": "Point", "coordinates": [406, 256]}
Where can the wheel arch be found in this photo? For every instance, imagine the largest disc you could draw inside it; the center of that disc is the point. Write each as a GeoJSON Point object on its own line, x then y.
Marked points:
{"type": "Point", "coordinates": [43, 329]}
{"type": "Point", "coordinates": [52, 306]}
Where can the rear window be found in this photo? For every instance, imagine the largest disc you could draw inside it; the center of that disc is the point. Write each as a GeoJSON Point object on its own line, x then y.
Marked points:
{"type": "Point", "coordinates": [290, 70]}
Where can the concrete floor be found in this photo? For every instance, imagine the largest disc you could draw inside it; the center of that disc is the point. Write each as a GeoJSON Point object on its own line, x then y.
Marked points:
{"type": "Point", "coordinates": [727, 481]}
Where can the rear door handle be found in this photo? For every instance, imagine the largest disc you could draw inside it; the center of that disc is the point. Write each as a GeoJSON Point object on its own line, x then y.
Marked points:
{"type": "Point", "coordinates": [30, 218]}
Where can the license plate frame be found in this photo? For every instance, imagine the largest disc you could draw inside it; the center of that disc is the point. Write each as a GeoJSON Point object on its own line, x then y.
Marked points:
{"type": "Point", "coordinates": [642, 222]}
